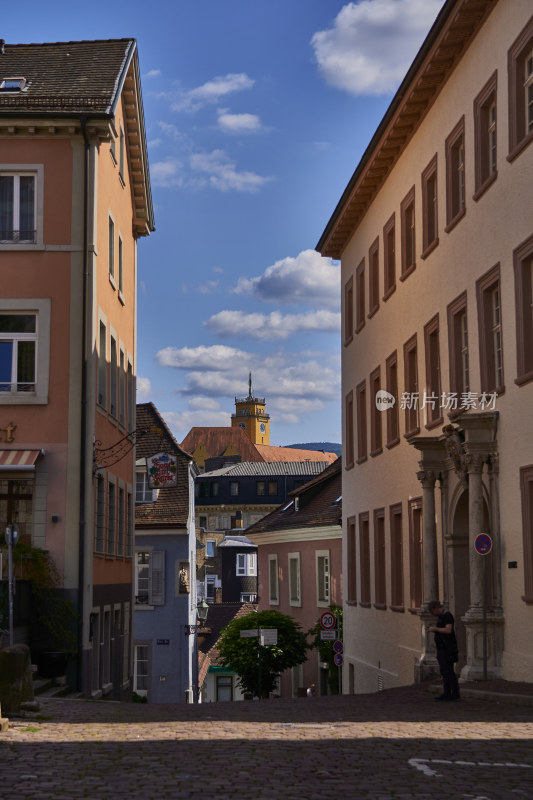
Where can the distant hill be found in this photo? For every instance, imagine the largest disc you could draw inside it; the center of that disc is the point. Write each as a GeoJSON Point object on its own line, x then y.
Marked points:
{"type": "Point", "coordinates": [329, 447]}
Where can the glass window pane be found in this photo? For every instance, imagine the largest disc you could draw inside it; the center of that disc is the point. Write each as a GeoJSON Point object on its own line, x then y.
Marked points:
{"type": "Point", "coordinates": [26, 366]}
{"type": "Point", "coordinates": [27, 206]}
{"type": "Point", "coordinates": [6, 206]}
{"type": "Point", "coordinates": [6, 356]}
{"type": "Point", "coordinates": [18, 323]}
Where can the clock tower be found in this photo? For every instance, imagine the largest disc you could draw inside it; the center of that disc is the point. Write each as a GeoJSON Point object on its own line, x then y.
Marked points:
{"type": "Point", "coordinates": [251, 417]}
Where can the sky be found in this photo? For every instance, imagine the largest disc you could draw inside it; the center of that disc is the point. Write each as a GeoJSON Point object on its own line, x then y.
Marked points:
{"type": "Point", "coordinates": [257, 113]}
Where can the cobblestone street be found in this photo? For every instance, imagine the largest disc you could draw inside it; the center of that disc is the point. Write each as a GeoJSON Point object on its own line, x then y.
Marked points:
{"type": "Point", "coordinates": [395, 744]}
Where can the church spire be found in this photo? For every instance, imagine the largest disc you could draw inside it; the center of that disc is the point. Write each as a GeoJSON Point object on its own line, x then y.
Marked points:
{"type": "Point", "coordinates": [250, 385]}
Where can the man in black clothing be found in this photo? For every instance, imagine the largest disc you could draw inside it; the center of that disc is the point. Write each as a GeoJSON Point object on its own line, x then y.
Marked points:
{"type": "Point", "coordinates": [447, 653]}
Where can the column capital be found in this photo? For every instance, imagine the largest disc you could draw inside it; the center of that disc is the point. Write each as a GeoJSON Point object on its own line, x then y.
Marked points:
{"type": "Point", "coordinates": [427, 478]}
{"type": "Point", "coordinates": [474, 461]}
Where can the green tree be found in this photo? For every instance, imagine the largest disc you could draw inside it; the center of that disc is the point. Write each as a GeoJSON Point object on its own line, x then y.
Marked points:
{"type": "Point", "coordinates": [326, 651]}
{"type": "Point", "coordinates": [259, 667]}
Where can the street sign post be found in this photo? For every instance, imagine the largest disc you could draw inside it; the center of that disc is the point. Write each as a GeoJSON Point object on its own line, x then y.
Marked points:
{"type": "Point", "coordinates": [483, 546]}
{"type": "Point", "coordinates": [328, 636]}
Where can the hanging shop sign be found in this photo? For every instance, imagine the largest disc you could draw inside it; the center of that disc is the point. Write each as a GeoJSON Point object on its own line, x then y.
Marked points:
{"type": "Point", "coordinates": [162, 471]}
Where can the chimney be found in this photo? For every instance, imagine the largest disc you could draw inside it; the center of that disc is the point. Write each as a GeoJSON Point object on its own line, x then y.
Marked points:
{"type": "Point", "coordinates": [2, 43]}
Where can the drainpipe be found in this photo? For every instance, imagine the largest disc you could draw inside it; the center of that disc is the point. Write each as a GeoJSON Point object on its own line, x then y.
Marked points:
{"type": "Point", "coordinates": [83, 426]}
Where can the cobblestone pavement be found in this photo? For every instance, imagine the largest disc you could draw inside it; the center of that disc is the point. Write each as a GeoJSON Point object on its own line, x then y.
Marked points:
{"type": "Point", "coordinates": [399, 743]}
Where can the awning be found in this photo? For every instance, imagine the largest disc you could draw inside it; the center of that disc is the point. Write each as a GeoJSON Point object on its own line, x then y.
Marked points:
{"type": "Point", "coordinates": [18, 459]}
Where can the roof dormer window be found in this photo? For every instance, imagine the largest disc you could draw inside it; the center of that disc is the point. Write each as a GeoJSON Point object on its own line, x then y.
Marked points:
{"type": "Point", "coordinates": [15, 84]}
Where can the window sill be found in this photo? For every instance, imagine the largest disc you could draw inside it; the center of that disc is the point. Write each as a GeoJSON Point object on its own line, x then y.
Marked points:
{"type": "Point", "coordinates": [348, 341]}
{"type": "Point", "coordinates": [455, 220]}
{"type": "Point", "coordinates": [365, 605]}
{"type": "Point", "coordinates": [112, 282]}
{"type": "Point", "coordinates": [414, 610]}
{"type": "Point", "coordinates": [520, 146]}
{"type": "Point", "coordinates": [406, 272]}
{"type": "Point", "coordinates": [143, 607]}
{"type": "Point", "coordinates": [393, 443]}
{"type": "Point", "coordinates": [380, 606]}
{"type": "Point", "coordinates": [409, 434]}
{"type": "Point", "coordinates": [360, 326]}
{"type": "Point", "coordinates": [434, 423]}
{"type": "Point", "coordinates": [429, 249]}
{"type": "Point", "coordinates": [361, 460]}
{"type": "Point", "coordinates": [525, 378]}
{"type": "Point", "coordinates": [21, 399]}
{"type": "Point", "coordinates": [373, 311]}
{"type": "Point", "coordinates": [389, 292]}
{"type": "Point", "coordinates": [374, 453]}
{"type": "Point", "coordinates": [121, 298]}
{"type": "Point", "coordinates": [350, 465]}
{"type": "Point", "coordinates": [480, 191]}
{"type": "Point", "coordinates": [399, 609]}
{"type": "Point", "coordinates": [22, 246]}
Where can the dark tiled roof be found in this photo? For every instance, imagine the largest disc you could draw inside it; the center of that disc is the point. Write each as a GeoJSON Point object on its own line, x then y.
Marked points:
{"type": "Point", "coordinates": [262, 468]}
{"type": "Point", "coordinates": [171, 509]}
{"type": "Point", "coordinates": [320, 503]}
{"type": "Point", "coordinates": [66, 76]}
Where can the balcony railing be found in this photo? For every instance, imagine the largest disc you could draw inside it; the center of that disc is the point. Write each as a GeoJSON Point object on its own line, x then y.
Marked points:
{"type": "Point", "coordinates": [24, 236]}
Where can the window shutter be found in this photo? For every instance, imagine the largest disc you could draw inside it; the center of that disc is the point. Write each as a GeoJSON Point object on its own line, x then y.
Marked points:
{"type": "Point", "coordinates": [157, 578]}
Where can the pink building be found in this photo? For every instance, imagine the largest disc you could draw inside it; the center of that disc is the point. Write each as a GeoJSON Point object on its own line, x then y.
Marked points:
{"type": "Point", "coordinates": [300, 563]}
{"type": "Point", "coordinates": [74, 198]}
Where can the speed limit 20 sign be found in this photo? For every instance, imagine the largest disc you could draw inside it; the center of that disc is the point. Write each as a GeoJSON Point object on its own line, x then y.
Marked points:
{"type": "Point", "coordinates": [328, 620]}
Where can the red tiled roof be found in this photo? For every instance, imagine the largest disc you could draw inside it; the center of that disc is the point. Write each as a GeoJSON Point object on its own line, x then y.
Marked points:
{"type": "Point", "coordinates": [274, 453]}
{"type": "Point", "coordinates": [217, 440]}
{"type": "Point", "coordinates": [218, 617]}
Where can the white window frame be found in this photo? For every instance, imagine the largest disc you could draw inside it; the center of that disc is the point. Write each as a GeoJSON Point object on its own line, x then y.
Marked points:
{"type": "Point", "coordinates": [37, 170]}
{"type": "Point", "coordinates": [42, 309]}
{"type": "Point", "coordinates": [111, 251]}
{"type": "Point", "coordinates": [295, 581]}
{"type": "Point", "coordinates": [323, 578]}
{"type": "Point", "coordinates": [246, 564]}
{"type": "Point", "coordinates": [213, 543]}
{"type": "Point", "coordinates": [148, 495]}
{"type": "Point", "coordinates": [141, 692]}
{"type": "Point", "coordinates": [273, 579]}
{"type": "Point", "coordinates": [155, 578]}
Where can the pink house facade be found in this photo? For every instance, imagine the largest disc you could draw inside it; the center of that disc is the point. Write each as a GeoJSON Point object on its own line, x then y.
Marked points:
{"type": "Point", "coordinates": [74, 198]}
{"type": "Point", "coordinates": [300, 565]}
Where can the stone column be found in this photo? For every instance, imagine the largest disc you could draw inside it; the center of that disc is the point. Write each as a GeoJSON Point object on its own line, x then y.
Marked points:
{"type": "Point", "coordinates": [431, 566]}
{"type": "Point", "coordinates": [474, 464]}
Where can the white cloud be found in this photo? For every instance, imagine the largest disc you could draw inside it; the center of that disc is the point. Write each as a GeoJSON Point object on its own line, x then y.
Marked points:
{"type": "Point", "coordinates": [309, 278]}
{"type": "Point", "coordinates": [216, 357]}
{"type": "Point", "coordinates": [274, 325]}
{"type": "Point", "coordinates": [372, 43]}
{"type": "Point", "coordinates": [209, 287]}
{"type": "Point", "coordinates": [153, 73]}
{"type": "Point", "coordinates": [238, 123]}
{"type": "Point", "coordinates": [204, 404]}
{"type": "Point", "coordinates": [180, 423]}
{"type": "Point", "coordinates": [144, 388]}
{"type": "Point", "coordinates": [223, 175]}
{"type": "Point", "coordinates": [153, 143]}
{"type": "Point", "coordinates": [210, 92]}
{"type": "Point", "coordinates": [166, 173]}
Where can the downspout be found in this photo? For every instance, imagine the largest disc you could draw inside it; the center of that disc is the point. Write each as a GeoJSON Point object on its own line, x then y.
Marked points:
{"type": "Point", "coordinates": [83, 426]}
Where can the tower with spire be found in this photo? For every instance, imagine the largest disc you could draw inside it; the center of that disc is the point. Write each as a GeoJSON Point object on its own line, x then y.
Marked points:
{"type": "Point", "coordinates": [251, 417]}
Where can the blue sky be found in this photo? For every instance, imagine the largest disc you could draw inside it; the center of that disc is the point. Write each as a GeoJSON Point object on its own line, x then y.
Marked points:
{"type": "Point", "coordinates": [257, 113]}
